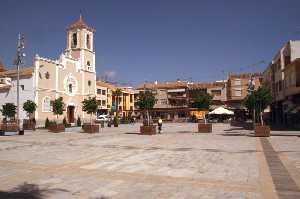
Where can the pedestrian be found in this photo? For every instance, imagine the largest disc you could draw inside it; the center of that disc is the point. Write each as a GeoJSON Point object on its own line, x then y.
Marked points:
{"type": "Point", "coordinates": [159, 123]}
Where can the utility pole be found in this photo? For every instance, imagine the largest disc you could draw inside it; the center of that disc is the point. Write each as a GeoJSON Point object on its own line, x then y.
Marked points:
{"type": "Point", "coordinates": [18, 61]}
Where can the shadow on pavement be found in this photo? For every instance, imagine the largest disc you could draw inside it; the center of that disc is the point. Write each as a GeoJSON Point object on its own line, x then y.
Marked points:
{"type": "Point", "coordinates": [237, 134]}
{"type": "Point", "coordinates": [28, 191]}
{"type": "Point", "coordinates": [235, 129]}
{"type": "Point", "coordinates": [133, 133]}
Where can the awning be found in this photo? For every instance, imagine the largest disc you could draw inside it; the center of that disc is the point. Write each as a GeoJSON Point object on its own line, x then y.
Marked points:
{"type": "Point", "coordinates": [221, 111]}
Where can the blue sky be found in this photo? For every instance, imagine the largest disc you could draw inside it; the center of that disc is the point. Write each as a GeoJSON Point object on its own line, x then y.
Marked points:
{"type": "Point", "coordinates": [143, 40]}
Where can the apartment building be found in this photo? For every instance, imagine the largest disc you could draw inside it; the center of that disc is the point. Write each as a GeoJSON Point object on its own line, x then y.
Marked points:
{"type": "Point", "coordinates": [238, 88]}
{"type": "Point", "coordinates": [282, 77]}
{"type": "Point", "coordinates": [104, 97]}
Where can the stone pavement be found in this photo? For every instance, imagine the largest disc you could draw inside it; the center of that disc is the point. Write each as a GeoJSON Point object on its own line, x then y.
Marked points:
{"type": "Point", "coordinates": [119, 163]}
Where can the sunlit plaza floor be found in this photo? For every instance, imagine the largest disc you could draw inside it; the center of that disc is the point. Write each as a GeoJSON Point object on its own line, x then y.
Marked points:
{"type": "Point", "coordinates": [179, 163]}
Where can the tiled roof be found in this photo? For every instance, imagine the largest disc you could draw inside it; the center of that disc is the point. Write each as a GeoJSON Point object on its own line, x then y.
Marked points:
{"type": "Point", "coordinates": [164, 85]}
{"type": "Point", "coordinates": [245, 75]}
{"type": "Point", "coordinates": [24, 72]}
{"type": "Point", "coordinates": [105, 84]}
{"type": "Point", "coordinates": [2, 67]}
{"type": "Point", "coordinates": [197, 86]}
{"type": "Point", "coordinates": [80, 24]}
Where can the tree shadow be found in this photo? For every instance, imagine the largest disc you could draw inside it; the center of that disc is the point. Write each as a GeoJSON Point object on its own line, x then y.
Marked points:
{"type": "Point", "coordinates": [28, 191]}
{"type": "Point", "coordinates": [235, 129]}
{"type": "Point", "coordinates": [133, 133]}
{"type": "Point", "coordinates": [237, 134]}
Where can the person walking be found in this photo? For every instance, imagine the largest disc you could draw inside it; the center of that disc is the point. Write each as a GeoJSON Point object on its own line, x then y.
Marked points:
{"type": "Point", "coordinates": [159, 123]}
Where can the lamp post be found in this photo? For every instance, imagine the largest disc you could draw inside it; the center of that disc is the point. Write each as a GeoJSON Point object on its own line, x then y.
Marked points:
{"type": "Point", "coordinates": [18, 61]}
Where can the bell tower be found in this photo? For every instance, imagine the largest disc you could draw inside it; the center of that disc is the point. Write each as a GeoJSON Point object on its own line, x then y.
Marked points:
{"type": "Point", "coordinates": [80, 44]}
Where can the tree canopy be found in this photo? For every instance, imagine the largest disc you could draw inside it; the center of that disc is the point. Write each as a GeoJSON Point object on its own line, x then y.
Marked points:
{"type": "Point", "coordinates": [146, 100]}
{"type": "Point", "coordinates": [202, 101]}
{"type": "Point", "coordinates": [58, 106]}
{"type": "Point", "coordinates": [259, 99]}
{"type": "Point", "coordinates": [29, 106]}
{"type": "Point", "coordinates": [9, 110]}
{"type": "Point", "coordinates": [90, 105]}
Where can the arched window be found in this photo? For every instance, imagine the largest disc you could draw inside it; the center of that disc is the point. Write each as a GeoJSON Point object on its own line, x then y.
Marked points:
{"type": "Point", "coordinates": [88, 63]}
{"type": "Point", "coordinates": [89, 83]}
{"type": "Point", "coordinates": [46, 104]}
{"type": "Point", "coordinates": [88, 43]}
{"type": "Point", "coordinates": [74, 40]}
{"type": "Point", "coordinates": [70, 88]}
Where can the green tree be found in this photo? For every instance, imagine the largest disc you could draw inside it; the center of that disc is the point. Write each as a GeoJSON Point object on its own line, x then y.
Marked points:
{"type": "Point", "coordinates": [90, 106]}
{"type": "Point", "coordinates": [146, 102]}
{"type": "Point", "coordinates": [9, 110]}
{"type": "Point", "coordinates": [117, 93]}
{"type": "Point", "coordinates": [202, 101]}
{"type": "Point", "coordinates": [257, 101]}
{"type": "Point", "coordinates": [58, 107]}
{"type": "Point", "coordinates": [30, 107]}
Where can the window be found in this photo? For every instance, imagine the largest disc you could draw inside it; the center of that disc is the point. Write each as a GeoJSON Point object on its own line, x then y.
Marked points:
{"type": "Point", "coordinates": [216, 92]}
{"type": "Point", "coordinates": [70, 88]}
{"type": "Point", "coordinates": [238, 93]}
{"type": "Point", "coordinates": [103, 103]}
{"type": "Point", "coordinates": [88, 63]}
{"type": "Point", "coordinates": [74, 40]}
{"type": "Point", "coordinates": [89, 83]}
{"type": "Point", "coordinates": [103, 92]}
{"type": "Point", "coordinates": [22, 87]}
{"type": "Point", "coordinates": [131, 98]}
{"type": "Point", "coordinates": [287, 60]}
{"type": "Point", "coordinates": [237, 82]}
{"type": "Point", "coordinates": [88, 43]}
{"type": "Point", "coordinates": [47, 75]}
{"type": "Point", "coordinates": [98, 91]}
{"type": "Point", "coordinates": [46, 105]}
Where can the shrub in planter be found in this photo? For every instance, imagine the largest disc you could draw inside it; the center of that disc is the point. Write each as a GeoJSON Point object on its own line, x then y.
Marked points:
{"type": "Point", "coordinates": [116, 121]}
{"type": "Point", "coordinates": [57, 110]}
{"type": "Point", "coordinates": [78, 122]}
{"type": "Point", "coordinates": [90, 106]}
{"type": "Point", "coordinates": [202, 102]}
{"type": "Point", "coordinates": [256, 102]}
{"type": "Point", "coordinates": [30, 107]}
{"type": "Point", "coordinates": [146, 101]}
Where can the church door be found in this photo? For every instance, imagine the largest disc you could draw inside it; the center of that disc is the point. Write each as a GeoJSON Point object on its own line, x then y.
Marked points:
{"type": "Point", "coordinates": [70, 114]}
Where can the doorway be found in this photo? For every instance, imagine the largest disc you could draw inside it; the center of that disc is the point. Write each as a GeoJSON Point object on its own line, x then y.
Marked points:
{"type": "Point", "coordinates": [70, 114]}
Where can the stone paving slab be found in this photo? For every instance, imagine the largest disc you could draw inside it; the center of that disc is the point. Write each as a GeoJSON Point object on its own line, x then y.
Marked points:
{"type": "Point", "coordinates": [119, 163]}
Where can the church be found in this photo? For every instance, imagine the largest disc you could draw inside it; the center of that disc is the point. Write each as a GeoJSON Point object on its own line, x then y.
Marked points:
{"type": "Point", "coordinates": [72, 76]}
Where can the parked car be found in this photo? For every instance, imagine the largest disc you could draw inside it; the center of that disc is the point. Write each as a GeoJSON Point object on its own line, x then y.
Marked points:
{"type": "Point", "coordinates": [102, 118]}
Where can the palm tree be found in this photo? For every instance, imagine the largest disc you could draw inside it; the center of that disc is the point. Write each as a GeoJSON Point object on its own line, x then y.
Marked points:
{"type": "Point", "coordinates": [117, 93]}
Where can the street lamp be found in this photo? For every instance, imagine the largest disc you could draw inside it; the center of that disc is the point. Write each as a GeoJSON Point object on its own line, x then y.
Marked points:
{"type": "Point", "coordinates": [18, 61]}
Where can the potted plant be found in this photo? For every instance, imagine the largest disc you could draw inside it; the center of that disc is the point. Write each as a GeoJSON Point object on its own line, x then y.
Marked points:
{"type": "Point", "coordinates": [58, 107]}
{"type": "Point", "coordinates": [9, 112]}
{"type": "Point", "coordinates": [90, 107]}
{"type": "Point", "coordinates": [256, 102]}
{"type": "Point", "coordinates": [202, 103]}
{"type": "Point", "coordinates": [116, 94]}
{"type": "Point", "coordinates": [146, 102]}
{"type": "Point", "coordinates": [116, 121]}
{"type": "Point", "coordinates": [30, 107]}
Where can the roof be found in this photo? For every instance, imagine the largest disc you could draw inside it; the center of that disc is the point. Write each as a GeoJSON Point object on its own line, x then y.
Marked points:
{"type": "Point", "coordinates": [24, 72]}
{"type": "Point", "coordinates": [197, 86]}
{"type": "Point", "coordinates": [80, 24]}
{"type": "Point", "coordinates": [2, 67]}
{"type": "Point", "coordinates": [105, 84]}
{"type": "Point", "coordinates": [164, 85]}
{"type": "Point", "coordinates": [245, 75]}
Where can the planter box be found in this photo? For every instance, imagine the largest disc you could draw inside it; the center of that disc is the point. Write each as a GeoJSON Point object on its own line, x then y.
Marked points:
{"type": "Point", "coordinates": [204, 128]}
{"type": "Point", "coordinates": [116, 125]}
{"type": "Point", "coordinates": [9, 126]}
{"type": "Point", "coordinates": [56, 128]}
{"type": "Point", "coordinates": [148, 130]}
{"type": "Point", "coordinates": [262, 131]}
{"type": "Point", "coordinates": [28, 124]}
{"type": "Point", "coordinates": [90, 128]}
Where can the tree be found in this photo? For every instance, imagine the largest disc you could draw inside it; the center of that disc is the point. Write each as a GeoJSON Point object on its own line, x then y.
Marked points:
{"type": "Point", "coordinates": [58, 107]}
{"type": "Point", "coordinates": [257, 101]}
{"type": "Point", "coordinates": [90, 106]}
{"type": "Point", "coordinates": [146, 102]}
{"type": "Point", "coordinates": [117, 93]}
{"type": "Point", "coordinates": [9, 110]}
{"type": "Point", "coordinates": [202, 101]}
{"type": "Point", "coordinates": [30, 107]}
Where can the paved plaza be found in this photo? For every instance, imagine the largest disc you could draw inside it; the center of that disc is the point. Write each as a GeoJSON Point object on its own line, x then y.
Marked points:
{"type": "Point", "coordinates": [119, 163]}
